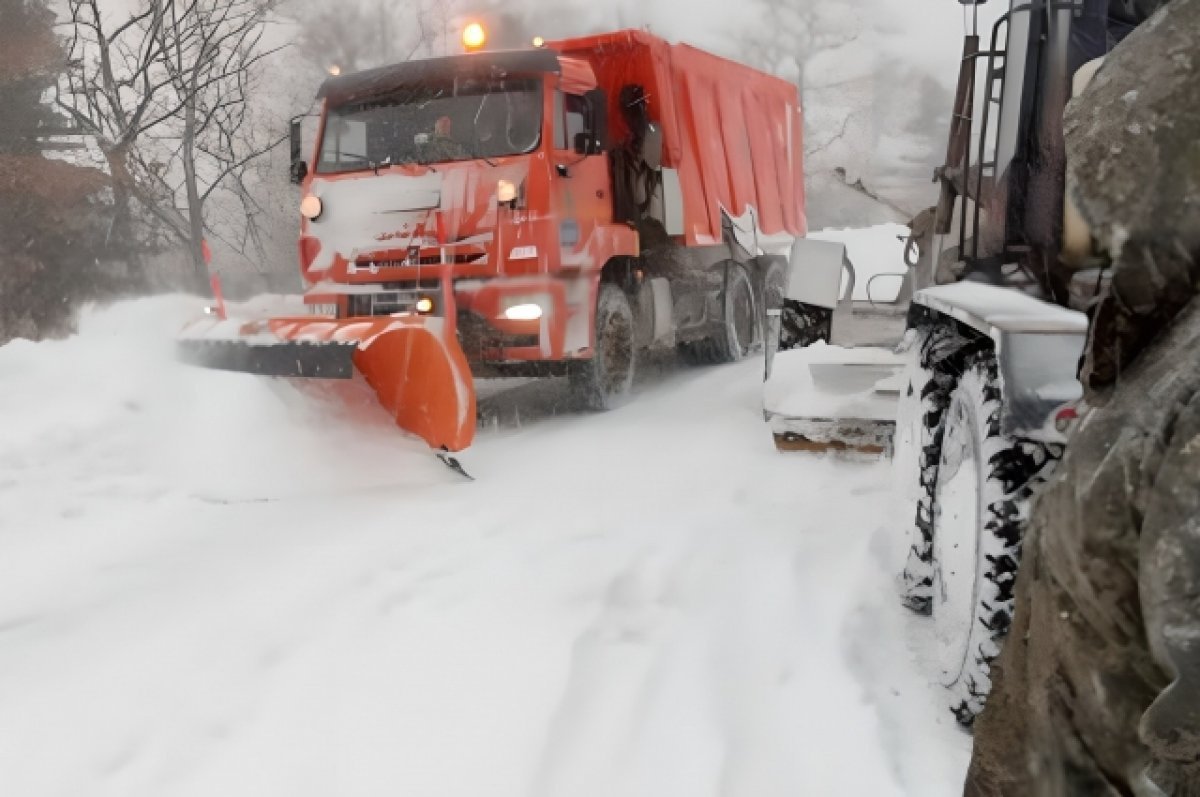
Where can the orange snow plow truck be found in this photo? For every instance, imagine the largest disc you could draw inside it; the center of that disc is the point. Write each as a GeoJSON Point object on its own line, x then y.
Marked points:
{"type": "Point", "coordinates": [546, 212]}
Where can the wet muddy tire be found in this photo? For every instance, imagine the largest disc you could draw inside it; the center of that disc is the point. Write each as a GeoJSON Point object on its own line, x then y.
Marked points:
{"type": "Point", "coordinates": [605, 381]}
{"type": "Point", "coordinates": [740, 331]}
{"type": "Point", "coordinates": [980, 504]}
{"type": "Point", "coordinates": [696, 352]}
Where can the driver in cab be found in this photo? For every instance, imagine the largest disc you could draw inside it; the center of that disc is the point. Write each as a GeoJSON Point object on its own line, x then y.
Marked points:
{"type": "Point", "coordinates": [442, 146]}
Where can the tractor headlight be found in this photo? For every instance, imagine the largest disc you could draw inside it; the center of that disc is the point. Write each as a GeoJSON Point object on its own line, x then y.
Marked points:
{"type": "Point", "coordinates": [424, 305]}
{"type": "Point", "coordinates": [506, 191]}
{"type": "Point", "coordinates": [310, 207]}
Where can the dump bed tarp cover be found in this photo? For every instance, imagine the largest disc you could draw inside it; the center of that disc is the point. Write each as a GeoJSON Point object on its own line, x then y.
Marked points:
{"type": "Point", "coordinates": [732, 132]}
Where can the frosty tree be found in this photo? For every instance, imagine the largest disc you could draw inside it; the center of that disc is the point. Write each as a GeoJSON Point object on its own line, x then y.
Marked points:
{"type": "Point", "coordinates": [54, 248]}
{"type": "Point", "coordinates": [165, 92]}
{"type": "Point", "coordinates": [790, 33]}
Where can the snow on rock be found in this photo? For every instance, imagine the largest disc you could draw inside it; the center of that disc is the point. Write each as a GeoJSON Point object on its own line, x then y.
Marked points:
{"type": "Point", "coordinates": [215, 584]}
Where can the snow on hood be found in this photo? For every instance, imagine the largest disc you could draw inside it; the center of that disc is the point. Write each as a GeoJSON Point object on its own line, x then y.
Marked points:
{"type": "Point", "coordinates": [366, 212]}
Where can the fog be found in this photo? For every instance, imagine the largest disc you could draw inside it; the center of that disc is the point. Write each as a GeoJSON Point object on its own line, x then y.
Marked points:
{"type": "Point", "coordinates": [877, 75]}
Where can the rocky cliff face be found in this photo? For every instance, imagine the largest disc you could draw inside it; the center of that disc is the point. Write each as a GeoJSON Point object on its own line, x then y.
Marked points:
{"type": "Point", "coordinates": [1098, 688]}
{"type": "Point", "coordinates": [1134, 151]}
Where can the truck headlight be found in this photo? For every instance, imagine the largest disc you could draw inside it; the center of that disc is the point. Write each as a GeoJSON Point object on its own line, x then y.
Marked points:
{"type": "Point", "coordinates": [506, 191]}
{"type": "Point", "coordinates": [310, 207]}
{"type": "Point", "coordinates": [526, 311]}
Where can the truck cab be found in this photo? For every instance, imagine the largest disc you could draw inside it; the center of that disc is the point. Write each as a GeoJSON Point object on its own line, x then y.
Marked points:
{"type": "Point", "coordinates": [474, 188]}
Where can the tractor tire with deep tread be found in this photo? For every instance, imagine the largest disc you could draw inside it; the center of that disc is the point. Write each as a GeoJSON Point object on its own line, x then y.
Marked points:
{"type": "Point", "coordinates": [980, 503]}
{"type": "Point", "coordinates": [932, 376]}
{"type": "Point", "coordinates": [605, 381]}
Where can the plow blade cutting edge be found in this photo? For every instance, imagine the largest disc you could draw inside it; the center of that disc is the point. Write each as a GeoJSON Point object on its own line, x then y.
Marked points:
{"type": "Point", "coordinates": [292, 359]}
{"type": "Point", "coordinates": [418, 371]}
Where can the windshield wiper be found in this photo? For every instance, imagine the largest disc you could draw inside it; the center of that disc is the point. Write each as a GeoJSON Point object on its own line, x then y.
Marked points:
{"type": "Point", "coordinates": [475, 132]}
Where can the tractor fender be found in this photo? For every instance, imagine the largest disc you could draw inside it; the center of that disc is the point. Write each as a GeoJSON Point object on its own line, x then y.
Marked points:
{"type": "Point", "coordinates": [1038, 346]}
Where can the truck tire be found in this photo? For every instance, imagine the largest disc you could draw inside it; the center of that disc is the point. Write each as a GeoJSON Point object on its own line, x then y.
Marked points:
{"type": "Point", "coordinates": [604, 381]}
{"type": "Point", "coordinates": [741, 328]}
{"type": "Point", "coordinates": [984, 481]}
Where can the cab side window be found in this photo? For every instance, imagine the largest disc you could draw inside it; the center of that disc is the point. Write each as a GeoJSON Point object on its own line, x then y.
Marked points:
{"type": "Point", "coordinates": [570, 119]}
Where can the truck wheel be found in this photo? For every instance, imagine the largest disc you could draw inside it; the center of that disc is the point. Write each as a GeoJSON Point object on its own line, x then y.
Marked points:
{"type": "Point", "coordinates": [741, 329]}
{"type": "Point", "coordinates": [743, 326]}
{"type": "Point", "coordinates": [604, 381]}
{"type": "Point", "coordinates": [980, 504]}
{"type": "Point", "coordinates": [739, 332]}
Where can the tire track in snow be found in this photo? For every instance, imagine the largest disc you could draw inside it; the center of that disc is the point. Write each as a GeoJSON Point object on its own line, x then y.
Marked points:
{"type": "Point", "coordinates": [648, 601]}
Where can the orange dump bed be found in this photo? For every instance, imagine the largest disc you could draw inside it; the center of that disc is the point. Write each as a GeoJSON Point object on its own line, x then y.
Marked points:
{"type": "Point", "coordinates": [732, 133]}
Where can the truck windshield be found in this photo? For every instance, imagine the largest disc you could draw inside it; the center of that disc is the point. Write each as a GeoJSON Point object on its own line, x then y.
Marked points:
{"type": "Point", "coordinates": [435, 122]}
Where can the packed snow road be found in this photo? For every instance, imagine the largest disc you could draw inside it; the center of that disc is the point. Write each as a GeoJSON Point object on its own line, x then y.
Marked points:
{"type": "Point", "coordinates": [211, 584]}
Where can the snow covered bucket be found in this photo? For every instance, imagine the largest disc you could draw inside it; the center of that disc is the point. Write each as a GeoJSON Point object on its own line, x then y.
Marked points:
{"type": "Point", "coordinates": [829, 398]}
{"type": "Point", "coordinates": [823, 397]}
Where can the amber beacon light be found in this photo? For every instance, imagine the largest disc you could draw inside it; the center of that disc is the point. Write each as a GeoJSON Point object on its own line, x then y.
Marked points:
{"type": "Point", "coordinates": [474, 36]}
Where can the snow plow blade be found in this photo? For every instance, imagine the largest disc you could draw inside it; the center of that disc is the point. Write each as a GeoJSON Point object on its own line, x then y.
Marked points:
{"type": "Point", "coordinates": [416, 368]}
{"type": "Point", "coordinates": [829, 399]}
{"type": "Point", "coordinates": [290, 359]}
{"type": "Point", "coordinates": [833, 369]}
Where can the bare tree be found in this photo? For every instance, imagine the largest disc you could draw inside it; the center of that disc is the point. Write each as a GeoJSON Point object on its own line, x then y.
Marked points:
{"type": "Point", "coordinates": [110, 90]}
{"type": "Point", "coordinates": [790, 33]}
{"type": "Point", "coordinates": [209, 51]}
{"type": "Point", "coordinates": [166, 94]}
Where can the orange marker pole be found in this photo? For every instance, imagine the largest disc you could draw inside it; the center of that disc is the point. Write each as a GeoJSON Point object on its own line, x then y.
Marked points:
{"type": "Point", "coordinates": [214, 280]}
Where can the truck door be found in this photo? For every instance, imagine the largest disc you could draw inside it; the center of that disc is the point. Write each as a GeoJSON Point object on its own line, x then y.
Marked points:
{"type": "Point", "coordinates": [581, 196]}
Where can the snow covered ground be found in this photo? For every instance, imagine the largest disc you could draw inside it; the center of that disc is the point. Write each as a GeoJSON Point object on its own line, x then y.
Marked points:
{"type": "Point", "coordinates": [211, 584]}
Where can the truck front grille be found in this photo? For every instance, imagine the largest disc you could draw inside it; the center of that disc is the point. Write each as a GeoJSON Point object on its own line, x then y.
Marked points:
{"type": "Point", "coordinates": [395, 297]}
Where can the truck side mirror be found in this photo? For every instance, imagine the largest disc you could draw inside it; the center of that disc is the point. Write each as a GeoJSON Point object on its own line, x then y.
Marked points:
{"type": "Point", "coordinates": [298, 169]}
{"type": "Point", "coordinates": [586, 144]}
